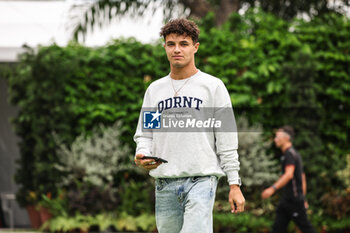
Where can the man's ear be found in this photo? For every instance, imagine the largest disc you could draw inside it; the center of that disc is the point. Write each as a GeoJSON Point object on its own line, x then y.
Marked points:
{"type": "Point", "coordinates": [196, 46]}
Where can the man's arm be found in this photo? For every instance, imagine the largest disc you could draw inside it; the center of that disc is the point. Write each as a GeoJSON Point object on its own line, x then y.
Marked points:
{"type": "Point", "coordinates": [226, 147]}
{"type": "Point", "coordinates": [304, 185]}
{"type": "Point", "coordinates": [280, 183]}
{"type": "Point", "coordinates": [144, 140]}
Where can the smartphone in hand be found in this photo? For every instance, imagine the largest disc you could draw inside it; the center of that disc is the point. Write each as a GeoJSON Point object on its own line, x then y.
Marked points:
{"type": "Point", "coordinates": [155, 159]}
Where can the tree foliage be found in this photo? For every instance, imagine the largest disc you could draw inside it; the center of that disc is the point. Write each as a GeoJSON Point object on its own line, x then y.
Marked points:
{"type": "Point", "coordinates": [69, 91]}
{"type": "Point", "coordinates": [257, 168]}
{"type": "Point", "coordinates": [287, 9]}
{"type": "Point", "coordinates": [100, 12]}
{"type": "Point", "coordinates": [288, 73]}
{"type": "Point", "coordinates": [277, 73]}
{"type": "Point", "coordinates": [95, 159]}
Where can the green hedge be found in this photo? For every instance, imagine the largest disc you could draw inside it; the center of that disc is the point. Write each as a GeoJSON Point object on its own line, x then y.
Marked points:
{"type": "Point", "coordinates": [246, 222]}
{"type": "Point", "coordinates": [240, 223]}
{"type": "Point", "coordinates": [289, 73]}
{"type": "Point", "coordinates": [276, 72]}
{"type": "Point", "coordinates": [68, 90]}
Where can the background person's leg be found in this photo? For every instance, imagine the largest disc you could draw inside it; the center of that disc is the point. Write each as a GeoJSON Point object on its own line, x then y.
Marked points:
{"type": "Point", "coordinates": [169, 211]}
{"type": "Point", "coordinates": [199, 203]}
{"type": "Point", "coordinates": [282, 219]}
{"type": "Point", "coordinates": [301, 219]}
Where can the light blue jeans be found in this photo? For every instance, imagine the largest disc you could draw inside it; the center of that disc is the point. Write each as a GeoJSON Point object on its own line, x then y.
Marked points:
{"type": "Point", "coordinates": [185, 204]}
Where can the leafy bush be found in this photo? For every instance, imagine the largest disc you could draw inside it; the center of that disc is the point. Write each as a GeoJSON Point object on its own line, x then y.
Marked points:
{"type": "Point", "coordinates": [57, 206]}
{"type": "Point", "coordinates": [277, 73]}
{"type": "Point", "coordinates": [101, 222]}
{"type": "Point", "coordinates": [337, 204]}
{"type": "Point", "coordinates": [345, 173]}
{"type": "Point", "coordinates": [69, 91]}
{"type": "Point", "coordinates": [89, 166]}
{"type": "Point", "coordinates": [240, 223]}
{"type": "Point", "coordinates": [90, 193]}
{"type": "Point", "coordinates": [257, 170]}
{"type": "Point", "coordinates": [288, 73]}
{"type": "Point", "coordinates": [94, 159]}
{"type": "Point", "coordinates": [137, 196]}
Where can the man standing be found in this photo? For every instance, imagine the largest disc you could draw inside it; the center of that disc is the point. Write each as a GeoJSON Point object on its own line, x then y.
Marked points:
{"type": "Point", "coordinates": [186, 185]}
{"type": "Point", "coordinates": [293, 204]}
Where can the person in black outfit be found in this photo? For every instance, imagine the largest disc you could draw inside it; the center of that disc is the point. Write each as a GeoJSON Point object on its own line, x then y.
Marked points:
{"type": "Point", "coordinates": [293, 204]}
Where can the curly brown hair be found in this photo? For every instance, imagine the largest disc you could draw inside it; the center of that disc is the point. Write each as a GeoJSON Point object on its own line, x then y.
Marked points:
{"type": "Point", "coordinates": [181, 27]}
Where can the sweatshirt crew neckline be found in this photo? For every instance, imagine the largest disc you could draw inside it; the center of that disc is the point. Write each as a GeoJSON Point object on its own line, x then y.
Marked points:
{"type": "Point", "coordinates": [184, 79]}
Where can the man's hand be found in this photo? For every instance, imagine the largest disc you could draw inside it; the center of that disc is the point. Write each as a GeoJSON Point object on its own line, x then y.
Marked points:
{"type": "Point", "coordinates": [147, 164]}
{"type": "Point", "coordinates": [267, 193]}
{"type": "Point", "coordinates": [236, 199]}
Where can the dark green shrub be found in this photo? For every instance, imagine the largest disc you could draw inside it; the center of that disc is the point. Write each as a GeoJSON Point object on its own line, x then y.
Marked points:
{"type": "Point", "coordinates": [276, 72]}
{"type": "Point", "coordinates": [68, 91]}
{"type": "Point", "coordinates": [288, 73]}
{"type": "Point", "coordinates": [240, 223]}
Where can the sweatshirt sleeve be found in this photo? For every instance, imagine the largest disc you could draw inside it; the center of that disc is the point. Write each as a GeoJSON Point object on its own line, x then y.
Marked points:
{"type": "Point", "coordinates": [226, 141]}
{"type": "Point", "coordinates": [143, 139]}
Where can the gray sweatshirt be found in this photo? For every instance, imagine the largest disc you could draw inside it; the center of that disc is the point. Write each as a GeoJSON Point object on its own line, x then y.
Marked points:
{"type": "Point", "coordinates": [189, 153]}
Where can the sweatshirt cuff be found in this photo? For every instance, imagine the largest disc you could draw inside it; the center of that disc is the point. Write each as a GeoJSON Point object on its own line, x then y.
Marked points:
{"type": "Point", "coordinates": [146, 153]}
{"type": "Point", "coordinates": [233, 178]}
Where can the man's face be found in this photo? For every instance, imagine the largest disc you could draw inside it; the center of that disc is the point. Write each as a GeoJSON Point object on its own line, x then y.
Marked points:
{"type": "Point", "coordinates": [180, 50]}
{"type": "Point", "coordinates": [280, 139]}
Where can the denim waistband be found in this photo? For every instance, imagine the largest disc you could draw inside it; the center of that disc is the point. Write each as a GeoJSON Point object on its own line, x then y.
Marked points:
{"type": "Point", "coordinates": [179, 179]}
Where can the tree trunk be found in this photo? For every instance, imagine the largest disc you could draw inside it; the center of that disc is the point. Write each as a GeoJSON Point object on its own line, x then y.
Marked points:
{"type": "Point", "coordinates": [199, 8]}
{"type": "Point", "coordinates": [225, 9]}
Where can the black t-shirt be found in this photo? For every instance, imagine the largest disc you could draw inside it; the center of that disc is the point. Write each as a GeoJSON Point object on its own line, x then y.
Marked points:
{"type": "Point", "coordinates": [293, 190]}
